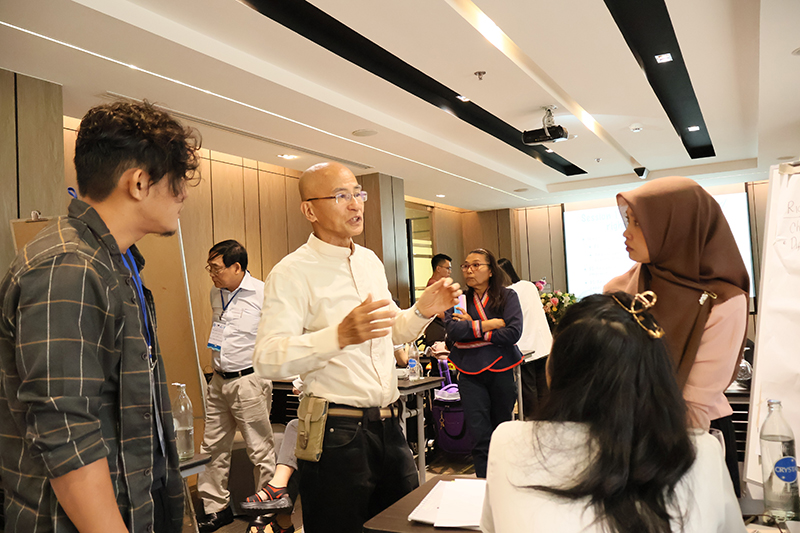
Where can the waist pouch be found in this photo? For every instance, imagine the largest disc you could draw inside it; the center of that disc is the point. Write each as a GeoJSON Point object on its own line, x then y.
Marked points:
{"type": "Point", "coordinates": [311, 417]}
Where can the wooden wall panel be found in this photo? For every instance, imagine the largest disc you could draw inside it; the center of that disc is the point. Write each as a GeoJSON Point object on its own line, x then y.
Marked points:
{"type": "Point", "coordinates": [274, 243]}
{"type": "Point", "coordinates": [379, 221]}
{"type": "Point", "coordinates": [448, 238]}
{"type": "Point", "coordinates": [8, 167]}
{"type": "Point", "coordinates": [558, 255]}
{"type": "Point", "coordinates": [386, 235]}
{"type": "Point", "coordinates": [70, 176]}
{"type": "Point", "coordinates": [385, 231]}
{"type": "Point", "coordinates": [523, 263]}
{"type": "Point", "coordinates": [506, 230]}
{"type": "Point", "coordinates": [165, 276]}
{"type": "Point", "coordinates": [480, 230]}
{"type": "Point", "coordinates": [40, 120]}
{"type": "Point", "coordinates": [227, 200]}
{"type": "Point", "coordinates": [198, 237]}
{"type": "Point", "coordinates": [299, 228]}
{"type": "Point", "coordinates": [538, 230]}
{"type": "Point", "coordinates": [401, 243]}
{"type": "Point", "coordinates": [252, 222]}
{"type": "Point", "coordinates": [361, 239]}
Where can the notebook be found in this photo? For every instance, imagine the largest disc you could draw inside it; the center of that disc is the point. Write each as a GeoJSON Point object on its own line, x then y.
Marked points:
{"type": "Point", "coordinates": [457, 503]}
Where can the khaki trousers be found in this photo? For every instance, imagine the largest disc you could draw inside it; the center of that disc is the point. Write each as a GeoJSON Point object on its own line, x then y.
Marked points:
{"type": "Point", "coordinates": [242, 402]}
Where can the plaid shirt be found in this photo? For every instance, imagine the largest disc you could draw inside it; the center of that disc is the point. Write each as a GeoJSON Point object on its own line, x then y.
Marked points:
{"type": "Point", "coordinates": [75, 377]}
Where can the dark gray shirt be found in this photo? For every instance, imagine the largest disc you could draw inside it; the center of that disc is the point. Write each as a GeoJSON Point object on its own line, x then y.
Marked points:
{"type": "Point", "coordinates": [75, 378]}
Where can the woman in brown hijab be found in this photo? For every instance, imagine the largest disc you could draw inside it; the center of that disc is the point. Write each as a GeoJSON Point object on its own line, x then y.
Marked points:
{"type": "Point", "coordinates": [686, 254]}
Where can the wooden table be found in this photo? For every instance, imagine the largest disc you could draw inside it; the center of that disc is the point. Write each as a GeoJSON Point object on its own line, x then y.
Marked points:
{"type": "Point", "coordinates": [418, 387]}
{"type": "Point", "coordinates": [395, 518]}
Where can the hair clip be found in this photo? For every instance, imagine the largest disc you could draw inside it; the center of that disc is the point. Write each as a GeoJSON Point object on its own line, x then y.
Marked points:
{"type": "Point", "coordinates": [641, 302]}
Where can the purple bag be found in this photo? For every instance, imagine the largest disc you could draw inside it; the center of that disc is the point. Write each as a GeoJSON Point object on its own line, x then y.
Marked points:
{"type": "Point", "coordinates": [450, 425]}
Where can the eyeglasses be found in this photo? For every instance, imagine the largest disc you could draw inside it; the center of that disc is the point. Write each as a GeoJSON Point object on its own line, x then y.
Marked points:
{"type": "Point", "coordinates": [473, 266]}
{"type": "Point", "coordinates": [214, 269]}
{"type": "Point", "coordinates": [344, 196]}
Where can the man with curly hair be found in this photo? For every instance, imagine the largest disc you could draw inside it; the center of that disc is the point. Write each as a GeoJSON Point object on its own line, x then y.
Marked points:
{"type": "Point", "coordinates": [86, 432]}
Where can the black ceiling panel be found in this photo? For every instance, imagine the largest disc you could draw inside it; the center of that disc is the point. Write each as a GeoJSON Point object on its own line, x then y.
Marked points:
{"type": "Point", "coordinates": [319, 27]}
{"type": "Point", "coordinates": [647, 28]}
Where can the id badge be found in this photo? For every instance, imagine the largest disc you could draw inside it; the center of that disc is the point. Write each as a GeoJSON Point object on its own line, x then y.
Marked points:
{"type": "Point", "coordinates": [216, 336]}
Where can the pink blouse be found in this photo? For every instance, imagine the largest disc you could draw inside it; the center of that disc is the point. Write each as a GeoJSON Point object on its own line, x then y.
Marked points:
{"type": "Point", "coordinates": [717, 355]}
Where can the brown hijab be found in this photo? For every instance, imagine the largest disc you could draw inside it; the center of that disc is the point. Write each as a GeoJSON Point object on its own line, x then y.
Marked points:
{"type": "Point", "coordinates": [692, 252]}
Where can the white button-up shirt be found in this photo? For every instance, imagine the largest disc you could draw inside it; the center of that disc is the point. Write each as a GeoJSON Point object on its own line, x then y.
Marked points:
{"type": "Point", "coordinates": [306, 296]}
{"type": "Point", "coordinates": [241, 323]}
{"type": "Point", "coordinates": [536, 338]}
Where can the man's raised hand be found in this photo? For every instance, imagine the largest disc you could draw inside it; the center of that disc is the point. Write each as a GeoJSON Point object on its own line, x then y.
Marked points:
{"type": "Point", "coordinates": [439, 297]}
{"type": "Point", "coordinates": [368, 320]}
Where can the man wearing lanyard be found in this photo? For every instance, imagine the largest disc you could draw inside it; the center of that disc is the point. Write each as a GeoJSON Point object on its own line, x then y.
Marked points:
{"type": "Point", "coordinates": [236, 396]}
{"type": "Point", "coordinates": [86, 432]}
{"type": "Point", "coordinates": [328, 316]}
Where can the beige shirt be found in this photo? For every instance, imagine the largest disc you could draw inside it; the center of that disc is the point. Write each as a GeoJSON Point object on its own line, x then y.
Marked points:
{"type": "Point", "coordinates": [306, 296]}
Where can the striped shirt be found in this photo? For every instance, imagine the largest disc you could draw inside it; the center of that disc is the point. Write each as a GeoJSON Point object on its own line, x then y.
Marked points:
{"type": "Point", "coordinates": [75, 378]}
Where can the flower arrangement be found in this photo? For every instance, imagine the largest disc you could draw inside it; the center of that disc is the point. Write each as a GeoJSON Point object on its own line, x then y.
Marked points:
{"type": "Point", "coordinates": [555, 304]}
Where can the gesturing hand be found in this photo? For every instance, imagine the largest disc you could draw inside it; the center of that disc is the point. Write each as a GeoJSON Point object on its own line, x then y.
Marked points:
{"type": "Point", "coordinates": [439, 297]}
{"type": "Point", "coordinates": [369, 320]}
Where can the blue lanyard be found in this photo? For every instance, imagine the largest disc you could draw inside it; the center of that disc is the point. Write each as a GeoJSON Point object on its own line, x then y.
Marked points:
{"type": "Point", "coordinates": [225, 306]}
{"type": "Point", "coordinates": [137, 281]}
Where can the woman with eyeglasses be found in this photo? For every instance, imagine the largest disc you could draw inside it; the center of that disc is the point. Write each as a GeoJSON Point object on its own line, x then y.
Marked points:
{"type": "Point", "coordinates": [482, 341]}
{"type": "Point", "coordinates": [685, 252]}
{"type": "Point", "coordinates": [609, 452]}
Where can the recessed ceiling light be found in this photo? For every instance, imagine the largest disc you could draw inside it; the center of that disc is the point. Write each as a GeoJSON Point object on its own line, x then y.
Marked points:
{"type": "Point", "coordinates": [787, 158]}
{"type": "Point", "coordinates": [636, 127]}
{"type": "Point", "coordinates": [365, 133]}
{"type": "Point", "coordinates": [463, 98]}
{"type": "Point", "coordinates": [524, 189]}
{"type": "Point", "coordinates": [288, 157]}
{"type": "Point", "coordinates": [663, 58]}
{"type": "Point", "coordinates": [693, 128]}
{"type": "Point", "coordinates": [796, 52]}
{"type": "Point", "coordinates": [440, 196]}
{"type": "Point", "coordinates": [598, 159]}
{"type": "Point", "coordinates": [548, 150]}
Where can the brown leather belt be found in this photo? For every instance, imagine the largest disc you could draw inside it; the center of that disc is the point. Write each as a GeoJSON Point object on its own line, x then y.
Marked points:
{"type": "Point", "coordinates": [373, 414]}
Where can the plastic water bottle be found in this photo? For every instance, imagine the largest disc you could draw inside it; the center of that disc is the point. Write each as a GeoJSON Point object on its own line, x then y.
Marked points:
{"type": "Point", "coordinates": [779, 465]}
{"type": "Point", "coordinates": [414, 372]}
{"type": "Point", "coordinates": [183, 418]}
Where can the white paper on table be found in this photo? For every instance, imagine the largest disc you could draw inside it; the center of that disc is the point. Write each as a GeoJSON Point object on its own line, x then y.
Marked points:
{"type": "Point", "coordinates": [461, 504]}
{"type": "Point", "coordinates": [428, 508]}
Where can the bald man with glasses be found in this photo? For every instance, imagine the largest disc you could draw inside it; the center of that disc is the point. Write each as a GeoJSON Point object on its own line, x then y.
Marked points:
{"type": "Point", "coordinates": [328, 316]}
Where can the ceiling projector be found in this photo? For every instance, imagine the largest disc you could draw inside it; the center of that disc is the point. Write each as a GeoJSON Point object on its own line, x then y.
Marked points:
{"type": "Point", "coordinates": [549, 133]}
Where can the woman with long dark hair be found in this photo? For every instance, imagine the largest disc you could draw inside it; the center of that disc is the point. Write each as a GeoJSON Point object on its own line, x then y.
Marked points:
{"type": "Point", "coordinates": [685, 252]}
{"type": "Point", "coordinates": [610, 450]}
{"type": "Point", "coordinates": [482, 341]}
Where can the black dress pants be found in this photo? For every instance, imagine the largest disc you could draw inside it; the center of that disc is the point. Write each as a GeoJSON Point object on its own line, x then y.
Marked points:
{"type": "Point", "coordinates": [365, 467]}
{"type": "Point", "coordinates": [488, 399]}
{"type": "Point", "coordinates": [534, 386]}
